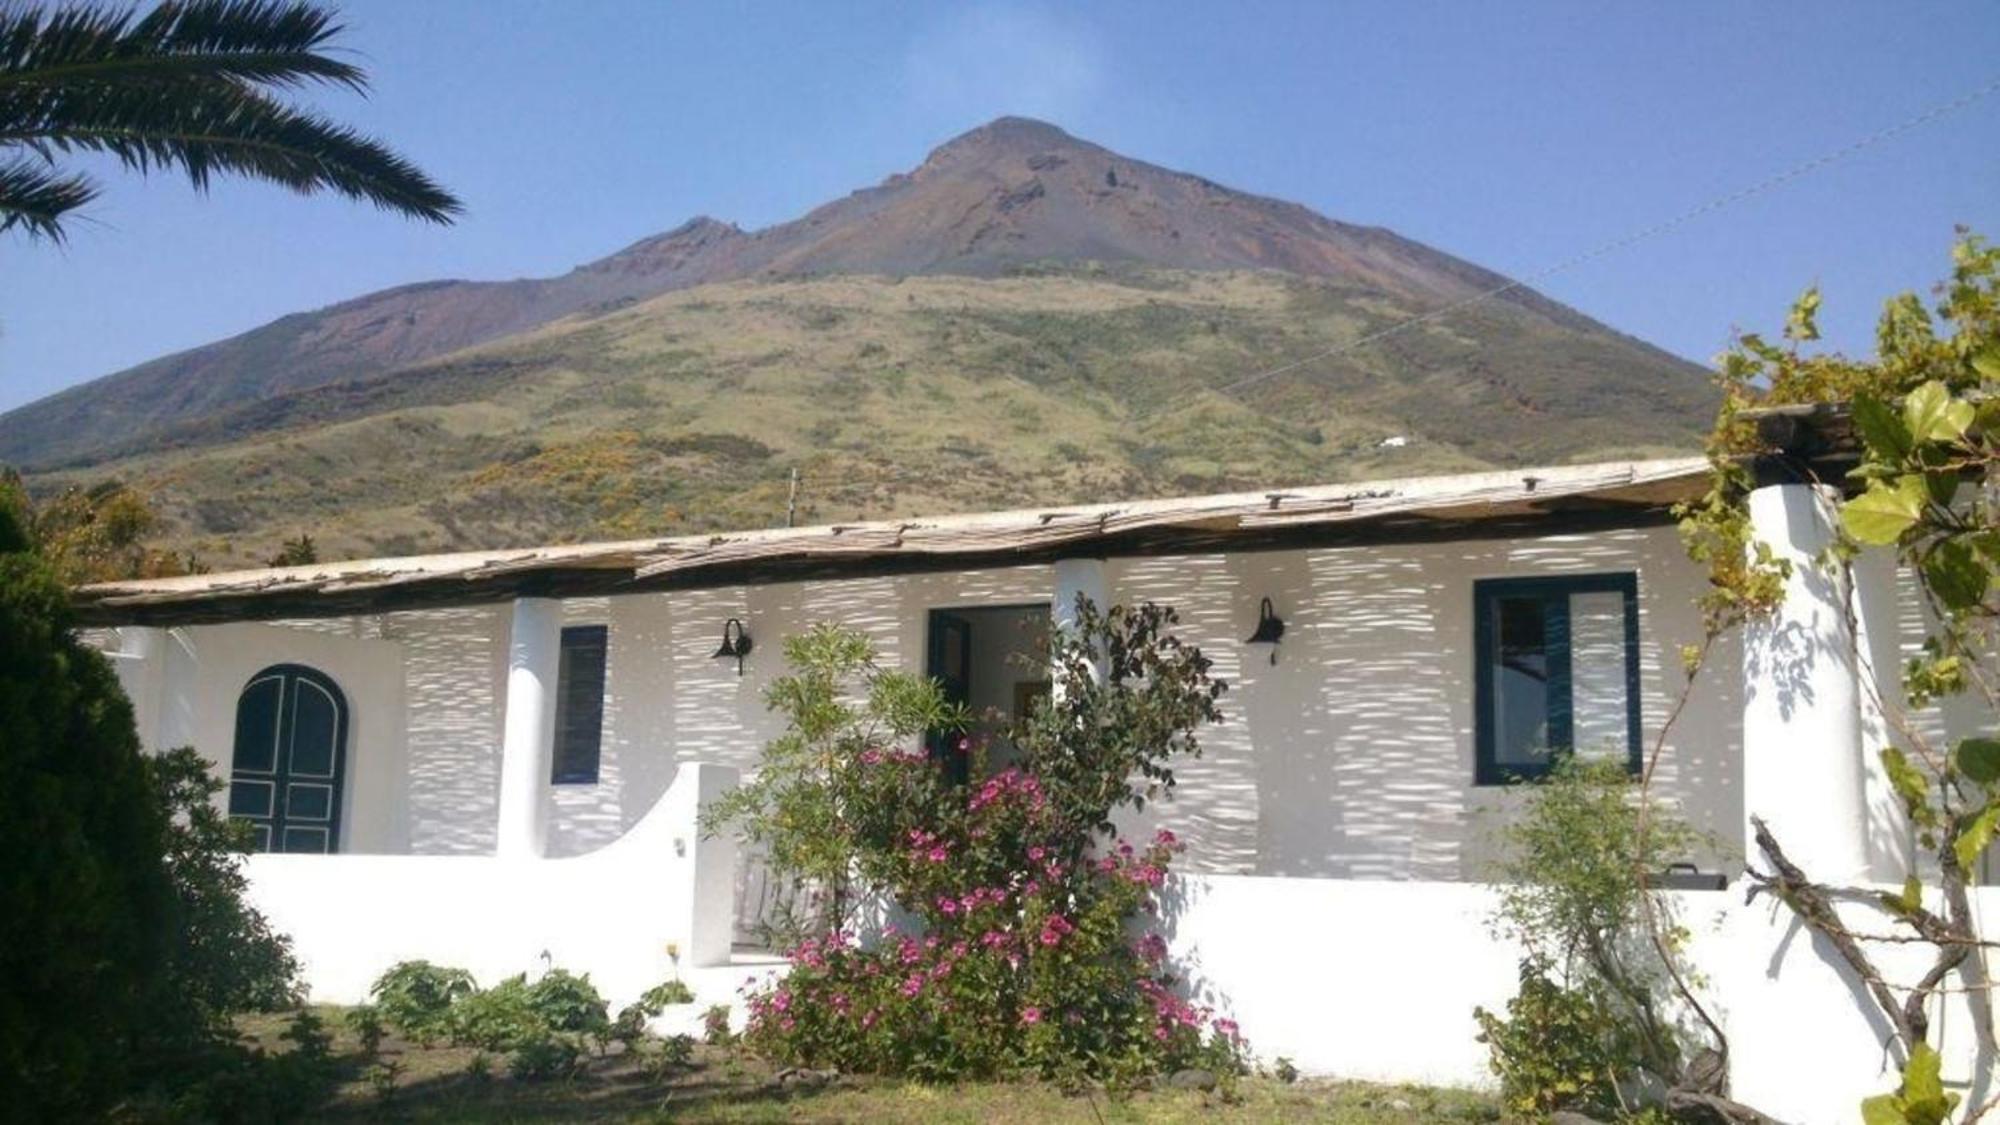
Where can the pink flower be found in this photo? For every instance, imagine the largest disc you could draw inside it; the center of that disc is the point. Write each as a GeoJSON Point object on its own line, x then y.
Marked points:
{"type": "Point", "coordinates": [1037, 852]}
{"type": "Point", "coordinates": [1165, 838]}
{"type": "Point", "coordinates": [1031, 1015]}
{"type": "Point", "coordinates": [1160, 1032]}
{"type": "Point", "coordinates": [913, 985]}
{"type": "Point", "coordinates": [1227, 1028]}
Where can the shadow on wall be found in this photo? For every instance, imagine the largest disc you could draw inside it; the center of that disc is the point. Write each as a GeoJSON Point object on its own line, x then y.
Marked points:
{"type": "Point", "coordinates": [456, 659]}
{"type": "Point", "coordinates": [1352, 756]}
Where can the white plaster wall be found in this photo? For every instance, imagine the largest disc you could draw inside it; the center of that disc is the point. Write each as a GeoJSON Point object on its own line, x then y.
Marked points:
{"type": "Point", "coordinates": [611, 913]}
{"type": "Point", "coordinates": [1352, 757]}
{"type": "Point", "coordinates": [204, 670]}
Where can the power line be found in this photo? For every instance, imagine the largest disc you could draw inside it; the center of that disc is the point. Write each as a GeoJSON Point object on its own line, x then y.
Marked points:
{"type": "Point", "coordinates": [1926, 117]}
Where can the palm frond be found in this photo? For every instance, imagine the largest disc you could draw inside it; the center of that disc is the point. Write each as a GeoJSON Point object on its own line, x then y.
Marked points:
{"type": "Point", "coordinates": [189, 85]}
{"type": "Point", "coordinates": [228, 129]}
{"type": "Point", "coordinates": [35, 197]}
{"type": "Point", "coordinates": [266, 42]}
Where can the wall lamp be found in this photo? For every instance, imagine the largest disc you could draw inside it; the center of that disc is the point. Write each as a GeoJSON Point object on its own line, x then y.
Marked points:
{"type": "Point", "coordinates": [735, 643]}
{"type": "Point", "coordinates": [1269, 628]}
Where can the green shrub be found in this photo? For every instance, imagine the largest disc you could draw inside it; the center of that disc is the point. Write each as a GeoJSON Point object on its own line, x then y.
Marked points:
{"type": "Point", "coordinates": [563, 1001]}
{"type": "Point", "coordinates": [382, 1078]}
{"type": "Point", "coordinates": [366, 1022]}
{"type": "Point", "coordinates": [666, 994]}
{"type": "Point", "coordinates": [497, 1018]}
{"type": "Point", "coordinates": [86, 903]}
{"type": "Point", "coordinates": [1558, 1048]}
{"type": "Point", "coordinates": [677, 1050]}
{"type": "Point", "coordinates": [227, 957]}
{"type": "Point", "coordinates": [308, 1035]}
{"type": "Point", "coordinates": [715, 1026]}
{"type": "Point", "coordinates": [1569, 894]}
{"type": "Point", "coordinates": [630, 1025]}
{"type": "Point", "coordinates": [417, 997]}
{"type": "Point", "coordinates": [545, 1055]}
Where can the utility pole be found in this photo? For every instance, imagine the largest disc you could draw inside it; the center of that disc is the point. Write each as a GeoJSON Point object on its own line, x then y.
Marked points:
{"type": "Point", "coordinates": [792, 501]}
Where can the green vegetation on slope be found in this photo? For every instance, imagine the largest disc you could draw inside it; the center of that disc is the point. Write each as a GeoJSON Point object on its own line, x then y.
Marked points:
{"type": "Point", "coordinates": [919, 396]}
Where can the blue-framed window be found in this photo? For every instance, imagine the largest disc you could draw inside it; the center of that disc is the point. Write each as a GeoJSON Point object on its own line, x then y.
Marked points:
{"type": "Point", "coordinates": [580, 705]}
{"type": "Point", "coordinates": [1557, 673]}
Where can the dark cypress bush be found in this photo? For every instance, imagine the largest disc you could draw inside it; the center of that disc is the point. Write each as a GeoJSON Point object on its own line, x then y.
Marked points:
{"type": "Point", "coordinates": [86, 903]}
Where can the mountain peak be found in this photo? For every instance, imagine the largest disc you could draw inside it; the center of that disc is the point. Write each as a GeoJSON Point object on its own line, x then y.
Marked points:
{"type": "Point", "coordinates": [1005, 136]}
{"type": "Point", "coordinates": [1010, 193]}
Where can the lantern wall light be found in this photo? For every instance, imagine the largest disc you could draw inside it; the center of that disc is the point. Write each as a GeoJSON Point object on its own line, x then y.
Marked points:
{"type": "Point", "coordinates": [1269, 628]}
{"type": "Point", "coordinates": [735, 643]}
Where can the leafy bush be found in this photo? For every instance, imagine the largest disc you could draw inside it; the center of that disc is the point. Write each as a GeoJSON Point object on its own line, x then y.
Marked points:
{"type": "Point", "coordinates": [563, 1001]}
{"type": "Point", "coordinates": [1595, 1002]}
{"type": "Point", "coordinates": [416, 997]}
{"type": "Point", "coordinates": [677, 1050]}
{"type": "Point", "coordinates": [366, 1022]}
{"type": "Point", "coordinates": [497, 1018]}
{"type": "Point", "coordinates": [630, 1025]}
{"type": "Point", "coordinates": [545, 1055]}
{"type": "Point", "coordinates": [86, 905]}
{"type": "Point", "coordinates": [226, 958]}
{"type": "Point", "coordinates": [1558, 1047]}
{"type": "Point", "coordinates": [382, 1078]}
{"type": "Point", "coordinates": [1027, 958]}
{"type": "Point", "coordinates": [715, 1026]}
{"type": "Point", "coordinates": [666, 994]}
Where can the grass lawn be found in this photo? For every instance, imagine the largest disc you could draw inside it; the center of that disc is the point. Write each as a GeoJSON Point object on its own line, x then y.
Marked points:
{"type": "Point", "coordinates": [725, 1085]}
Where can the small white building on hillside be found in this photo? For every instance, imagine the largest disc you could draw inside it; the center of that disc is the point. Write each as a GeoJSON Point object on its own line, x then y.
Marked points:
{"type": "Point", "coordinates": [478, 758]}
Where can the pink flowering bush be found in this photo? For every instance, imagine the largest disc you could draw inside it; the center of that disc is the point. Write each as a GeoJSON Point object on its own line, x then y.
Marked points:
{"type": "Point", "coordinates": [1034, 946]}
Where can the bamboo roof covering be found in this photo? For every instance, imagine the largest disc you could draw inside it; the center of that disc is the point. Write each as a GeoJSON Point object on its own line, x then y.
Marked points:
{"type": "Point", "coordinates": [1480, 505]}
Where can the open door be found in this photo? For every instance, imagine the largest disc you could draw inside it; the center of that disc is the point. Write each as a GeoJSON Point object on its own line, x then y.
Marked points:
{"type": "Point", "coordinates": [950, 664]}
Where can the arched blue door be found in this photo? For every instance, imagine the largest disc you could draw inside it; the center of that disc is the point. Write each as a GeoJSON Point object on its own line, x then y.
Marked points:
{"type": "Point", "coordinates": [290, 759]}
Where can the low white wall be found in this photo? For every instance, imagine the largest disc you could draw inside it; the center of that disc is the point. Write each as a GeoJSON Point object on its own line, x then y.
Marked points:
{"type": "Point", "coordinates": [1364, 979]}
{"type": "Point", "coordinates": [610, 913]}
{"type": "Point", "coordinates": [1377, 980]}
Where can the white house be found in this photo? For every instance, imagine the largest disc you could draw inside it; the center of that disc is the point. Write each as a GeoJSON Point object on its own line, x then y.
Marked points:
{"type": "Point", "coordinates": [478, 758]}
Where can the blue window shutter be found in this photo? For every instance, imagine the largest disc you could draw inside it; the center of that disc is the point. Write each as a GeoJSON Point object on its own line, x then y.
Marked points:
{"type": "Point", "coordinates": [580, 705]}
{"type": "Point", "coordinates": [1554, 592]}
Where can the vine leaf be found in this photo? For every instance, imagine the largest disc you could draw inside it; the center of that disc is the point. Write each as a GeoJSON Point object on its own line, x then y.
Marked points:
{"type": "Point", "coordinates": [1956, 575]}
{"type": "Point", "coordinates": [1979, 759]}
{"type": "Point", "coordinates": [1974, 837]}
{"type": "Point", "coordinates": [1921, 1101]}
{"type": "Point", "coordinates": [1908, 781]}
{"type": "Point", "coordinates": [1932, 414]}
{"type": "Point", "coordinates": [1882, 514]}
{"type": "Point", "coordinates": [1986, 361]}
{"type": "Point", "coordinates": [1881, 427]}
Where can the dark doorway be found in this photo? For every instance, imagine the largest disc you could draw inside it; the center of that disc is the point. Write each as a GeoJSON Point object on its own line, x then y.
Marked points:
{"type": "Point", "coordinates": [989, 658]}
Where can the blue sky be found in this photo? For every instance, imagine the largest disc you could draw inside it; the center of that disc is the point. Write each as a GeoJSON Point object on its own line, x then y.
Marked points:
{"type": "Point", "coordinates": [1515, 135]}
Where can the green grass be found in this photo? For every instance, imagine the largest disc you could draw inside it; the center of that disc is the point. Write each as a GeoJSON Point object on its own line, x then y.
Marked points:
{"type": "Point", "coordinates": [726, 1085]}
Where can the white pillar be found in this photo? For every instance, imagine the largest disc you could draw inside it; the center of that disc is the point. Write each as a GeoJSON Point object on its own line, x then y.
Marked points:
{"type": "Point", "coordinates": [534, 654]}
{"type": "Point", "coordinates": [1073, 577]}
{"type": "Point", "coordinates": [1891, 841]}
{"type": "Point", "coordinates": [1802, 764]}
{"type": "Point", "coordinates": [712, 903]}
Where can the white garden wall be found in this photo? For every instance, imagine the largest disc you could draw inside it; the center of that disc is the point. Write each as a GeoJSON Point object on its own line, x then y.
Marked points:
{"type": "Point", "coordinates": [611, 913]}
